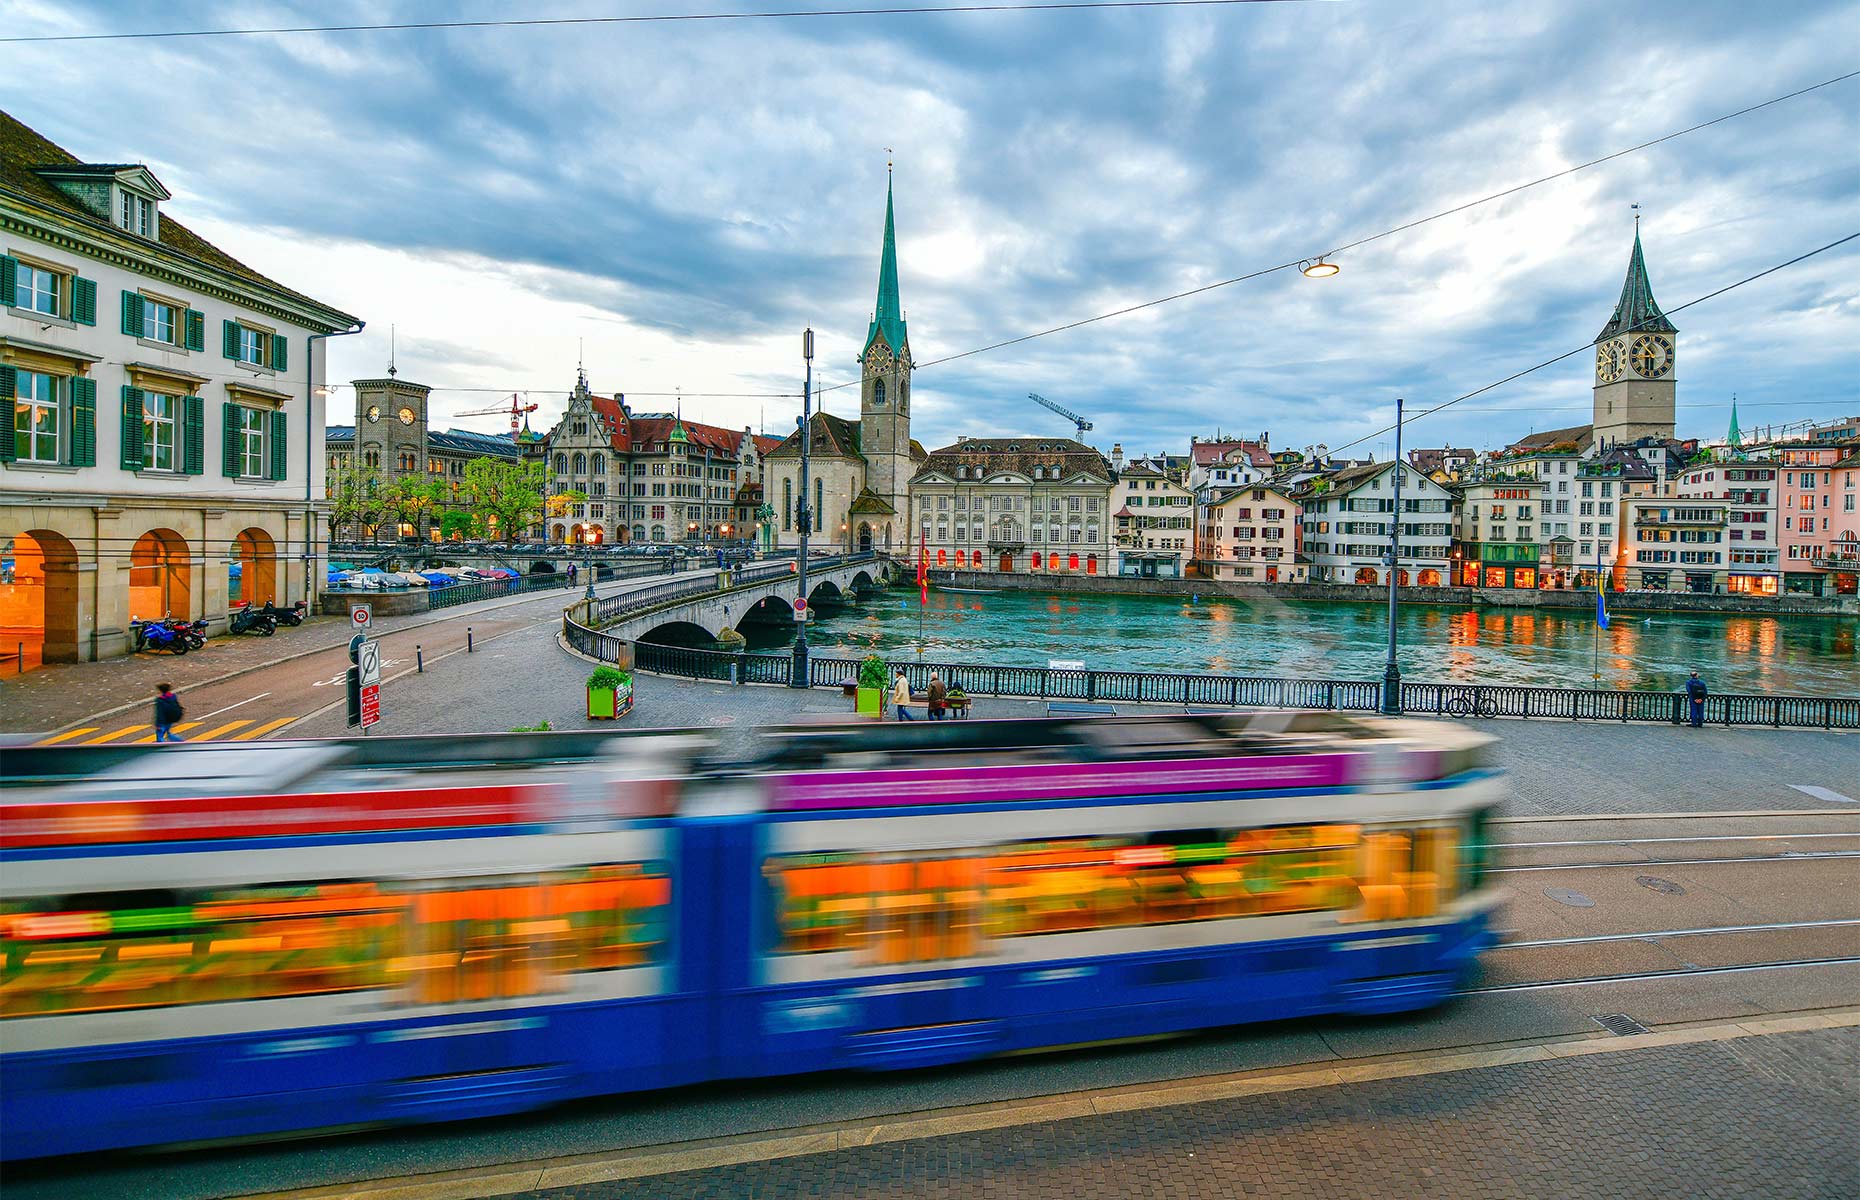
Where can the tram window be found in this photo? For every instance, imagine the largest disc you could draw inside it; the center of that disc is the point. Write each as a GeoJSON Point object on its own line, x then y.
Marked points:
{"type": "Point", "coordinates": [892, 909]}
{"type": "Point", "coordinates": [443, 942]}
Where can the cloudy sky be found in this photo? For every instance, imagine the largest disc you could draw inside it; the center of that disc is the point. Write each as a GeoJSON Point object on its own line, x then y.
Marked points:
{"type": "Point", "coordinates": [674, 202]}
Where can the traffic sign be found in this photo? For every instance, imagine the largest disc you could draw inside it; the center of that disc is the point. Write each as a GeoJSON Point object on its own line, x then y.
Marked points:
{"type": "Point", "coordinates": [358, 615]}
{"type": "Point", "coordinates": [800, 604]}
{"type": "Point", "coordinates": [369, 661]}
{"type": "Point", "coordinates": [371, 704]}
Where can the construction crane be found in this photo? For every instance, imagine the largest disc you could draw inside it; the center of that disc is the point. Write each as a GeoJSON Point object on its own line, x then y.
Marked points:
{"type": "Point", "coordinates": [516, 410]}
{"type": "Point", "coordinates": [1067, 413]}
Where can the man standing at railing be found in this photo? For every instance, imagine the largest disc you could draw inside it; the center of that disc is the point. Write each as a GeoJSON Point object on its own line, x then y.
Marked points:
{"type": "Point", "coordinates": [1695, 700]}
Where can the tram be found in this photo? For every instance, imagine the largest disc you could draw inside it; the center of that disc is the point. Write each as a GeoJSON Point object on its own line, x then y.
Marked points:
{"type": "Point", "coordinates": [216, 941]}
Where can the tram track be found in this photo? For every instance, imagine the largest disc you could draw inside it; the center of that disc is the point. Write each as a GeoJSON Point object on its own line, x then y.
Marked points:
{"type": "Point", "coordinates": [1674, 972]}
{"type": "Point", "coordinates": [1785, 856]}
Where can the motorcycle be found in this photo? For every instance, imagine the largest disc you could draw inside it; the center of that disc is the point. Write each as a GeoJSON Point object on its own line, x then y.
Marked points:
{"type": "Point", "coordinates": [194, 633]}
{"type": "Point", "coordinates": [246, 619]}
{"type": "Point", "coordinates": [153, 635]}
{"type": "Point", "coordinates": [294, 615]}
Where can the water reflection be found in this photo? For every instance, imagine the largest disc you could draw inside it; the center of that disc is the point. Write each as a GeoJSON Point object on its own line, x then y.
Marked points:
{"type": "Point", "coordinates": [1801, 655]}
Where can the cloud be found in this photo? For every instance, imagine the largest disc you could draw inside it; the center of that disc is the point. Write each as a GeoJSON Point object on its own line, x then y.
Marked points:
{"type": "Point", "coordinates": [672, 204]}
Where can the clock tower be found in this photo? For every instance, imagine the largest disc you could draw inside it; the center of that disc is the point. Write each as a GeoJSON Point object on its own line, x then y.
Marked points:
{"type": "Point", "coordinates": [390, 426]}
{"type": "Point", "coordinates": [1635, 381]}
{"type": "Point", "coordinates": [885, 402]}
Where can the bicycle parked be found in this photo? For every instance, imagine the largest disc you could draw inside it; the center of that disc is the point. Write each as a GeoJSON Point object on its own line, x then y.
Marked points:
{"type": "Point", "coordinates": [1477, 704]}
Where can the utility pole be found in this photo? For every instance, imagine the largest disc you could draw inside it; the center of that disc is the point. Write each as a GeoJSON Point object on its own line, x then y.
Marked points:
{"type": "Point", "coordinates": [798, 677]}
{"type": "Point", "coordinates": [1391, 674]}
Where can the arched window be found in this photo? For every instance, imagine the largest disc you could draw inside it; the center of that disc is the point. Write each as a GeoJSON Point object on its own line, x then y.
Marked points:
{"type": "Point", "coordinates": [878, 391]}
{"type": "Point", "coordinates": [581, 463]}
{"type": "Point", "coordinates": [787, 504]}
{"type": "Point", "coordinates": [561, 464]}
{"type": "Point", "coordinates": [942, 559]}
{"type": "Point", "coordinates": [1072, 562]}
{"type": "Point", "coordinates": [658, 533]}
{"type": "Point", "coordinates": [600, 465]}
{"type": "Point", "coordinates": [820, 502]}
{"type": "Point", "coordinates": [976, 558]}
{"type": "Point", "coordinates": [904, 394]}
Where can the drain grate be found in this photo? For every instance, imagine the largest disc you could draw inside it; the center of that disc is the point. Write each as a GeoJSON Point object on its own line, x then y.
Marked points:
{"type": "Point", "coordinates": [1664, 886]}
{"type": "Point", "coordinates": [1620, 1024]}
{"type": "Point", "coordinates": [1569, 896]}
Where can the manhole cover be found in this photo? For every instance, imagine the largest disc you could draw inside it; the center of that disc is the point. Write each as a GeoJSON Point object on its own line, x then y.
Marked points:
{"type": "Point", "coordinates": [1620, 1024]}
{"type": "Point", "coordinates": [1665, 887]}
{"type": "Point", "coordinates": [1574, 899]}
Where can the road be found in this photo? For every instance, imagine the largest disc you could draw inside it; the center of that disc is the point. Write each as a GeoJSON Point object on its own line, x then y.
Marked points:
{"type": "Point", "coordinates": [1694, 926]}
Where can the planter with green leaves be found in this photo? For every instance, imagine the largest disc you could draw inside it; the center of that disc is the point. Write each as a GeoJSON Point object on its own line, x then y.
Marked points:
{"type": "Point", "coordinates": [610, 693]}
{"type": "Point", "coordinates": [870, 700]}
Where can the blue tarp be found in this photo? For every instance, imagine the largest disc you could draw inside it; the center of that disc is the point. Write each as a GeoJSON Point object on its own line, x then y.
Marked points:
{"type": "Point", "coordinates": [438, 578]}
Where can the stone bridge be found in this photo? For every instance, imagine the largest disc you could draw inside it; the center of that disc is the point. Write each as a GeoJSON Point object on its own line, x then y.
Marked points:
{"type": "Point", "coordinates": [714, 602]}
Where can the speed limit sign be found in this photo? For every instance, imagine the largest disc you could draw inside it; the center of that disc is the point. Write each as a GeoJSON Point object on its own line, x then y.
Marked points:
{"type": "Point", "coordinates": [358, 616]}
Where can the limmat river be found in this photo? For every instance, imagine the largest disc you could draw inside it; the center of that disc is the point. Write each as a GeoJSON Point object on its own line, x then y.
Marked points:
{"type": "Point", "coordinates": [1792, 655]}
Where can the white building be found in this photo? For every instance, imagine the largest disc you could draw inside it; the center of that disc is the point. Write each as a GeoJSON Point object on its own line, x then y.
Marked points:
{"type": "Point", "coordinates": [1250, 535]}
{"type": "Point", "coordinates": [1153, 521]}
{"type": "Point", "coordinates": [1346, 527]}
{"type": "Point", "coordinates": [164, 449]}
{"type": "Point", "coordinates": [1015, 504]}
{"type": "Point", "coordinates": [1752, 563]}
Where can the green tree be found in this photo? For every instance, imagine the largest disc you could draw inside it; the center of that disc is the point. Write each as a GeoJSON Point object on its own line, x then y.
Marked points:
{"type": "Point", "coordinates": [456, 524]}
{"type": "Point", "coordinates": [505, 498]}
{"type": "Point", "coordinates": [408, 500]}
{"type": "Point", "coordinates": [354, 497]}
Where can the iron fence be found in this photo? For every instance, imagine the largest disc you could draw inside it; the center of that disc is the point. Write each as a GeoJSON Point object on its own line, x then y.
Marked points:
{"type": "Point", "coordinates": [1235, 691]}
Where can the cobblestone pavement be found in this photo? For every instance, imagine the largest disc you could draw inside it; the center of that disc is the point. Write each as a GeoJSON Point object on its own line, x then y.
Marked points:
{"type": "Point", "coordinates": [1768, 1117]}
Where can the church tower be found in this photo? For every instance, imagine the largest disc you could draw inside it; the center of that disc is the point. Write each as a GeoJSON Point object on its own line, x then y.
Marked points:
{"type": "Point", "coordinates": [1634, 372]}
{"type": "Point", "coordinates": [885, 387]}
{"type": "Point", "coordinates": [391, 426]}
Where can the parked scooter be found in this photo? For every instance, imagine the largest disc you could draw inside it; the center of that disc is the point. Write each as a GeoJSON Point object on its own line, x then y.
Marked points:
{"type": "Point", "coordinates": [294, 615]}
{"type": "Point", "coordinates": [194, 633]}
{"type": "Point", "coordinates": [246, 619]}
{"type": "Point", "coordinates": [156, 636]}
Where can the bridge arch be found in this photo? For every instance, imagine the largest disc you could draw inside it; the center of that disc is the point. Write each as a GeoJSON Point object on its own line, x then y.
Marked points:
{"type": "Point", "coordinates": [680, 633]}
{"type": "Point", "coordinates": [826, 592]}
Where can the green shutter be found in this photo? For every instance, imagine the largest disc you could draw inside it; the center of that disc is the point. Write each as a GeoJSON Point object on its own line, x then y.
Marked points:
{"type": "Point", "coordinates": [229, 445]}
{"type": "Point", "coordinates": [131, 458]}
{"type": "Point", "coordinates": [7, 449]}
{"type": "Point", "coordinates": [83, 300]}
{"type": "Point", "coordinates": [132, 315]}
{"type": "Point", "coordinates": [280, 467]}
{"type": "Point", "coordinates": [229, 338]}
{"type": "Point", "coordinates": [280, 352]}
{"type": "Point", "coordinates": [195, 325]}
{"type": "Point", "coordinates": [83, 422]}
{"type": "Point", "coordinates": [193, 435]}
{"type": "Point", "coordinates": [9, 283]}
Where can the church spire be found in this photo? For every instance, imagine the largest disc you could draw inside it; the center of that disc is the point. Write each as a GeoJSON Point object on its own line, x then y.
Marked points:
{"type": "Point", "coordinates": [888, 314]}
{"type": "Point", "coordinates": [1636, 311]}
{"type": "Point", "coordinates": [1735, 438]}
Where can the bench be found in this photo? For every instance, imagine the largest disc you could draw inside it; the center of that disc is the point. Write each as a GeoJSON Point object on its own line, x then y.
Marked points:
{"type": "Point", "coordinates": [1074, 708]}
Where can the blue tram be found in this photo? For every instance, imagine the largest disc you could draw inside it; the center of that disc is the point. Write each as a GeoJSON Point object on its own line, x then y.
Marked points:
{"type": "Point", "coordinates": [204, 941]}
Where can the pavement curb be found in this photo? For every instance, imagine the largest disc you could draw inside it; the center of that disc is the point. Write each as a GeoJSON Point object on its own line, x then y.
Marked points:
{"type": "Point", "coordinates": [647, 1161]}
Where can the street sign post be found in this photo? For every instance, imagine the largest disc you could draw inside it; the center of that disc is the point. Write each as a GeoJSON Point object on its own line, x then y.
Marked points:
{"type": "Point", "coordinates": [800, 608]}
{"type": "Point", "coordinates": [359, 616]}
{"type": "Point", "coordinates": [368, 672]}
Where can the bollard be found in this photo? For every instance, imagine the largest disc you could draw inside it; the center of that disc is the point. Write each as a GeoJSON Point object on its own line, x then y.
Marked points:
{"type": "Point", "coordinates": [22, 659]}
{"type": "Point", "coordinates": [419, 660]}
{"type": "Point", "coordinates": [468, 639]}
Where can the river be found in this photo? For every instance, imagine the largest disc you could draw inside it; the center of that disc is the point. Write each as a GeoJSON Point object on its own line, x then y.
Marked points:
{"type": "Point", "coordinates": [1792, 655]}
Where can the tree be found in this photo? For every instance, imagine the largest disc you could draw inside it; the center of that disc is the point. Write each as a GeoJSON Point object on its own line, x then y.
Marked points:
{"type": "Point", "coordinates": [355, 498]}
{"type": "Point", "coordinates": [455, 525]}
{"type": "Point", "coordinates": [411, 498]}
{"type": "Point", "coordinates": [505, 497]}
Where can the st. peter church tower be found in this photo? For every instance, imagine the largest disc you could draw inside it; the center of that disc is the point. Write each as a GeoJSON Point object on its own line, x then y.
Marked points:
{"type": "Point", "coordinates": [1635, 383]}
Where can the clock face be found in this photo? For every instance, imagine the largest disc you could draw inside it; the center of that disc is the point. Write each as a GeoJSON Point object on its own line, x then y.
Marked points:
{"type": "Point", "coordinates": [406, 415]}
{"type": "Point", "coordinates": [1608, 361]}
{"type": "Point", "coordinates": [374, 412]}
{"type": "Point", "coordinates": [1651, 356]}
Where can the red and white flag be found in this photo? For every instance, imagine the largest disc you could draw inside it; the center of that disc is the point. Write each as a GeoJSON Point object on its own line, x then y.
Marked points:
{"type": "Point", "coordinates": [923, 567]}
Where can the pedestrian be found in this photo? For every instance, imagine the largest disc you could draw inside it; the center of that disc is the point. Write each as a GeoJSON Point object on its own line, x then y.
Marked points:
{"type": "Point", "coordinates": [168, 713]}
{"type": "Point", "coordinates": [937, 695]}
{"type": "Point", "coordinates": [1695, 700]}
{"type": "Point", "coordinates": [571, 572]}
{"type": "Point", "coordinates": [901, 697]}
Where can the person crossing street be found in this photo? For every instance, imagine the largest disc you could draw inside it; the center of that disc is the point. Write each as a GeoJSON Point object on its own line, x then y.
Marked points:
{"type": "Point", "coordinates": [168, 713]}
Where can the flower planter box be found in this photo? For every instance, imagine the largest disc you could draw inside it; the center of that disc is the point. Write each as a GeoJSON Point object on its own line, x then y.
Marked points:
{"type": "Point", "coordinates": [612, 702]}
{"type": "Point", "coordinates": [871, 703]}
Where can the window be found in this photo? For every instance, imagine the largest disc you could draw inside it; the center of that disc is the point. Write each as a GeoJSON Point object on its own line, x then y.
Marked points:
{"type": "Point", "coordinates": [37, 290]}
{"type": "Point", "coordinates": [159, 412]}
{"type": "Point", "coordinates": [249, 435]}
{"type": "Point", "coordinates": [136, 213]}
{"type": "Point", "coordinates": [35, 417]}
{"type": "Point", "coordinates": [158, 321]}
{"type": "Point", "coordinates": [251, 346]}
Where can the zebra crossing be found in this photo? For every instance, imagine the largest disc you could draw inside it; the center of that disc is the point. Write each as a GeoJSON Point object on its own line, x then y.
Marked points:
{"type": "Point", "coordinates": [244, 730]}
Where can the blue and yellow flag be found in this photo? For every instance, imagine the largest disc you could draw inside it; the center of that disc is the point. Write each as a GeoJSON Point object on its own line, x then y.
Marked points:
{"type": "Point", "coordinates": [1601, 601]}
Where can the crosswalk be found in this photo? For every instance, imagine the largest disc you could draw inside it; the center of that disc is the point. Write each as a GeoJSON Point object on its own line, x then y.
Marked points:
{"type": "Point", "coordinates": [140, 735]}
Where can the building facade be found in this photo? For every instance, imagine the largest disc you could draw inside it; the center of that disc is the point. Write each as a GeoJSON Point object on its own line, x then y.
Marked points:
{"type": "Point", "coordinates": [1751, 563]}
{"type": "Point", "coordinates": [1015, 504]}
{"type": "Point", "coordinates": [1153, 522]}
{"type": "Point", "coordinates": [1250, 535]}
{"type": "Point", "coordinates": [859, 472]}
{"type": "Point", "coordinates": [1346, 527]}
{"type": "Point", "coordinates": [1817, 502]}
{"type": "Point", "coordinates": [164, 445]}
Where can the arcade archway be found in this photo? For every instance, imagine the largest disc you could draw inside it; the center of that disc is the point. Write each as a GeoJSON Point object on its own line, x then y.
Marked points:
{"type": "Point", "coordinates": [39, 599]}
{"type": "Point", "coordinates": [160, 577]}
{"type": "Point", "coordinates": [257, 579]}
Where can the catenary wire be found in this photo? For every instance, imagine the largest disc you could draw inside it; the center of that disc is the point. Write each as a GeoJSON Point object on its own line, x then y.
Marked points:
{"type": "Point", "coordinates": [655, 19]}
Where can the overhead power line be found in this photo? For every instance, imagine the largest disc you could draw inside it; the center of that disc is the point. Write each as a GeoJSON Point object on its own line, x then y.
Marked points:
{"type": "Point", "coordinates": [1586, 346]}
{"type": "Point", "coordinates": [650, 19]}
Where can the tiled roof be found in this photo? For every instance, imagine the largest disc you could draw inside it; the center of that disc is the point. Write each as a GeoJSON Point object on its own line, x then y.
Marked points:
{"type": "Point", "coordinates": [658, 430]}
{"type": "Point", "coordinates": [22, 149]}
{"type": "Point", "coordinates": [1020, 455]}
{"type": "Point", "coordinates": [1581, 435]}
{"type": "Point", "coordinates": [766, 445]}
{"type": "Point", "coordinates": [828, 434]}
{"type": "Point", "coordinates": [1205, 454]}
{"type": "Point", "coordinates": [870, 504]}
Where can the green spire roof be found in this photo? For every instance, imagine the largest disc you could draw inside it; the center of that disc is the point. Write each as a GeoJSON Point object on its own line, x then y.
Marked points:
{"type": "Point", "coordinates": [1636, 311]}
{"type": "Point", "coordinates": [888, 313]}
{"type": "Point", "coordinates": [1736, 436]}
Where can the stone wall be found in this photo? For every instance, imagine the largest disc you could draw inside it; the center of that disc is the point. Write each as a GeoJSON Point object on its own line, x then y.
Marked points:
{"type": "Point", "coordinates": [380, 604]}
{"type": "Point", "coordinates": [1458, 597]}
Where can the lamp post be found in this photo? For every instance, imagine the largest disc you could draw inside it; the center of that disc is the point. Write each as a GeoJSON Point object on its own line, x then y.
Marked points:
{"type": "Point", "coordinates": [1391, 674]}
{"type": "Point", "coordinates": [587, 559]}
{"type": "Point", "coordinates": [799, 676]}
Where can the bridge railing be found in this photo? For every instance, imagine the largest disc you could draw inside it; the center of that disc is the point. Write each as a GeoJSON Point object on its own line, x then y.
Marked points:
{"type": "Point", "coordinates": [609, 609]}
{"type": "Point", "coordinates": [1237, 691]}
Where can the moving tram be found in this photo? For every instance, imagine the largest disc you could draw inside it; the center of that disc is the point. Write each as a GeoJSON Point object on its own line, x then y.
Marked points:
{"type": "Point", "coordinates": [209, 941]}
